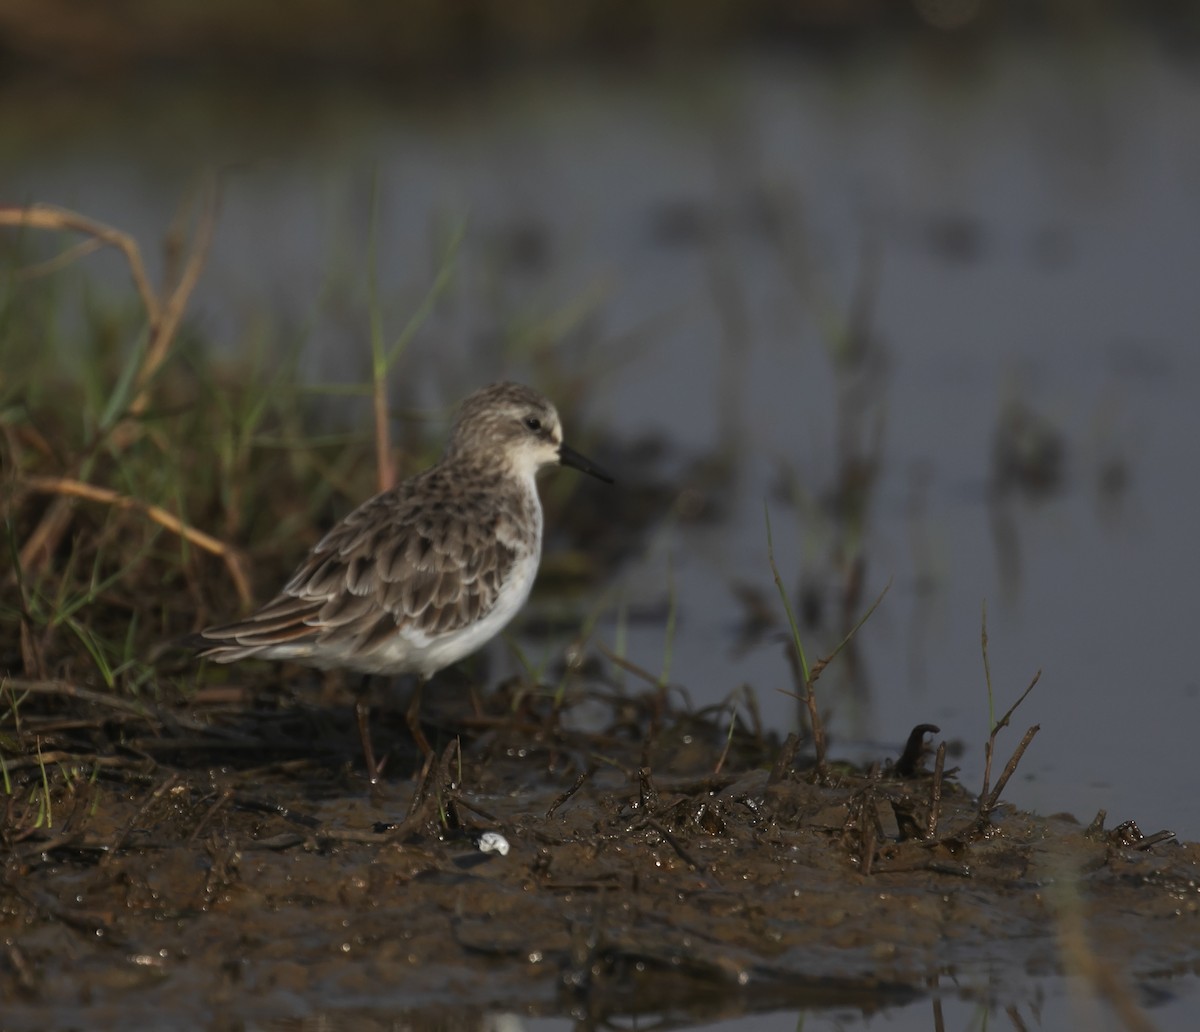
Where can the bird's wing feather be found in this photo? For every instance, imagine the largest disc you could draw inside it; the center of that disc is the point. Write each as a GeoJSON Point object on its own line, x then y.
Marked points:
{"type": "Point", "coordinates": [429, 561]}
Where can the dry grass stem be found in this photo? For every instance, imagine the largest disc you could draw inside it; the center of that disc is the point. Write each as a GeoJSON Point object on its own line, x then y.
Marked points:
{"type": "Point", "coordinates": [935, 792]}
{"type": "Point", "coordinates": [49, 216]}
{"type": "Point", "coordinates": [560, 799]}
{"type": "Point", "coordinates": [122, 836]}
{"type": "Point", "coordinates": [65, 486]}
{"type": "Point", "coordinates": [385, 469]}
{"type": "Point", "coordinates": [641, 673]}
{"type": "Point", "coordinates": [1010, 768]}
{"type": "Point", "coordinates": [139, 708]}
{"type": "Point", "coordinates": [990, 748]}
{"type": "Point", "coordinates": [44, 538]}
{"type": "Point", "coordinates": [165, 317]}
{"type": "Point", "coordinates": [61, 261]}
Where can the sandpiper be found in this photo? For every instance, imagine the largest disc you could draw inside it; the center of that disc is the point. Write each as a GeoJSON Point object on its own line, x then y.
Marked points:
{"type": "Point", "coordinates": [422, 575]}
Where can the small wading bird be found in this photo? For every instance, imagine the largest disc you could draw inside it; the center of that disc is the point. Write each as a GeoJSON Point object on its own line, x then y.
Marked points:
{"type": "Point", "coordinates": [422, 575]}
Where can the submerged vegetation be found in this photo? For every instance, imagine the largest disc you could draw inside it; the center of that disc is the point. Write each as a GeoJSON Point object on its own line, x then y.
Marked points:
{"type": "Point", "coordinates": [164, 820]}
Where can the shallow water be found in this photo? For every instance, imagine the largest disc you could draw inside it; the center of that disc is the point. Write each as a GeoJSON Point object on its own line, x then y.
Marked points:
{"type": "Point", "coordinates": [1020, 232]}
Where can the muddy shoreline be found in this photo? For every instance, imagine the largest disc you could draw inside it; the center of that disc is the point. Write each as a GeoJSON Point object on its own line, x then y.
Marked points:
{"type": "Point", "coordinates": [656, 866]}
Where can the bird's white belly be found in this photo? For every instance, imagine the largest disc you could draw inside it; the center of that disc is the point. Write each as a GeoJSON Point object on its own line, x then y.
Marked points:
{"type": "Point", "coordinates": [414, 651]}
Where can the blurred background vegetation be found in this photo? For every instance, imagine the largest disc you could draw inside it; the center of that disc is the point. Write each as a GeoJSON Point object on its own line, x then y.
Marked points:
{"type": "Point", "coordinates": [427, 39]}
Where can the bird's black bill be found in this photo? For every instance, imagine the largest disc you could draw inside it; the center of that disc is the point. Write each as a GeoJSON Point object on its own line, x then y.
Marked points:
{"type": "Point", "coordinates": [570, 457]}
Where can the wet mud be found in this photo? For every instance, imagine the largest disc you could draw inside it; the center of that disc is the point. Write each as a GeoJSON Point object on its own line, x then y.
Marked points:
{"type": "Point", "coordinates": [226, 864]}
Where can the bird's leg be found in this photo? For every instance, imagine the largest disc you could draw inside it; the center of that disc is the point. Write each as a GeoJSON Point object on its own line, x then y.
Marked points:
{"type": "Point", "coordinates": [362, 713]}
{"type": "Point", "coordinates": [413, 717]}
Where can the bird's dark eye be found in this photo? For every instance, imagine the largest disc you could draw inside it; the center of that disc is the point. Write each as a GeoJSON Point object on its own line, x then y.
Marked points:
{"type": "Point", "coordinates": [533, 423]}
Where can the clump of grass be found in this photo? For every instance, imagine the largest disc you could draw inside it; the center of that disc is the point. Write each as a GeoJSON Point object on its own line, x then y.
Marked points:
{"type": "Point", "coordinates": [120, 444]}
{"type": "Point", "coordinates": [806, 676]}
{"type": "Point", "coordinates": [140, 472]}
{"type": "Point", "coordinates": [989, 798]}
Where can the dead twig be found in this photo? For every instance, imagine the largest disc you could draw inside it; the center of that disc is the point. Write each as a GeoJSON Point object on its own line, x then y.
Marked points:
{"type": "Point", "coordinates": [435, 787]}
{"type": "Point", "coordinates": [49, 216]}
{"type": "Point", "coordinates": [641, 673]}
{"type": "Point", "coordinates": [62, 756]}
{"type": "Point", "coordinates": [43, 539]}
{"type": "Point", "coordinates": [648, 798]}
{"type": "Point", "coordinates": [678, 846]}
{"type": "Point", "coordinates": [160, 790]}
{"type": "Point", "coordinates": [1010, 768]}
{"type": "Point", "coordinates": [804, 676]}
{"type": "Point", "coordinates": [71, 691]}
{"type": "Point", "coordinates": [720, 764]}
{"type": "Point", "coordinates": [209, 814]}
{"type": "Point", "coordinates": [990, 747]}
{"type": "Point", "coordinates": [785, 759]}
{"type": "Point", "coordinates": [935, 792]}
{"type": "Point", "coordinates": [579, 782]}
{"type": "Point", "coordinates": [67, 487]}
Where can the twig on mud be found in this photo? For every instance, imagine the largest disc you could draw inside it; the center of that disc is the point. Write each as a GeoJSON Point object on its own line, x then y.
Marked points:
{"type": "Point", "coordinates": [746, 694]}
{"type": "Point", "coordinates": [1150, 841]}
{"type": "Point", "coordinates": [88, 921]}
{"type": "Point", "coordinates": [563, 797]}
{"type": "Point", "coordinates": [648, 799]}
{"type": "Point", "coordinates": [673, 841]}
{"type": "Point", "coordinates": [990, 748]}
{"type": "Point", "coordinates": [67, 839]}
{"type": "Point", "coordinates": [394, 834]}
{"type": "Point", "coordinates": [785, 759]}
{"type": "Point", "coordinates": [805, 676]}
{"type": "Point", "coordinates": [935, 792]}
{"type": "Point", "coordinates": [162, 789]}
{"type": "Point", "coordinates": [1010, 768]}
{"type": "Point", "coordinates": [27, 982]}
{"type": "Point", "coordinates": [479, 811]}
{"type": "Point", "coordinates": [208, 738]}
{"type": "Point", "coordinates": [819, 667]}
{"type": "Point", "coordinates": [63, 756]}
{"type": "Point", "coordinates": [138, 708]}
{"type": "Point", "coordinates": [862, 827]}
{"type": "Point", "coordinates": [254, 804]}
{"type": "Point", "coordinates": [866, 857]}
{"type": "Point", "coordinates": [71, 691]}
{"type": "Point", "coordinates": [66, 486]}
{"type": "Point", "coordinates": [432, 799]}
{"type": "Point", "coordinates": [720, 764]}
{"type": "Point", "coordinates": [223, 798]}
